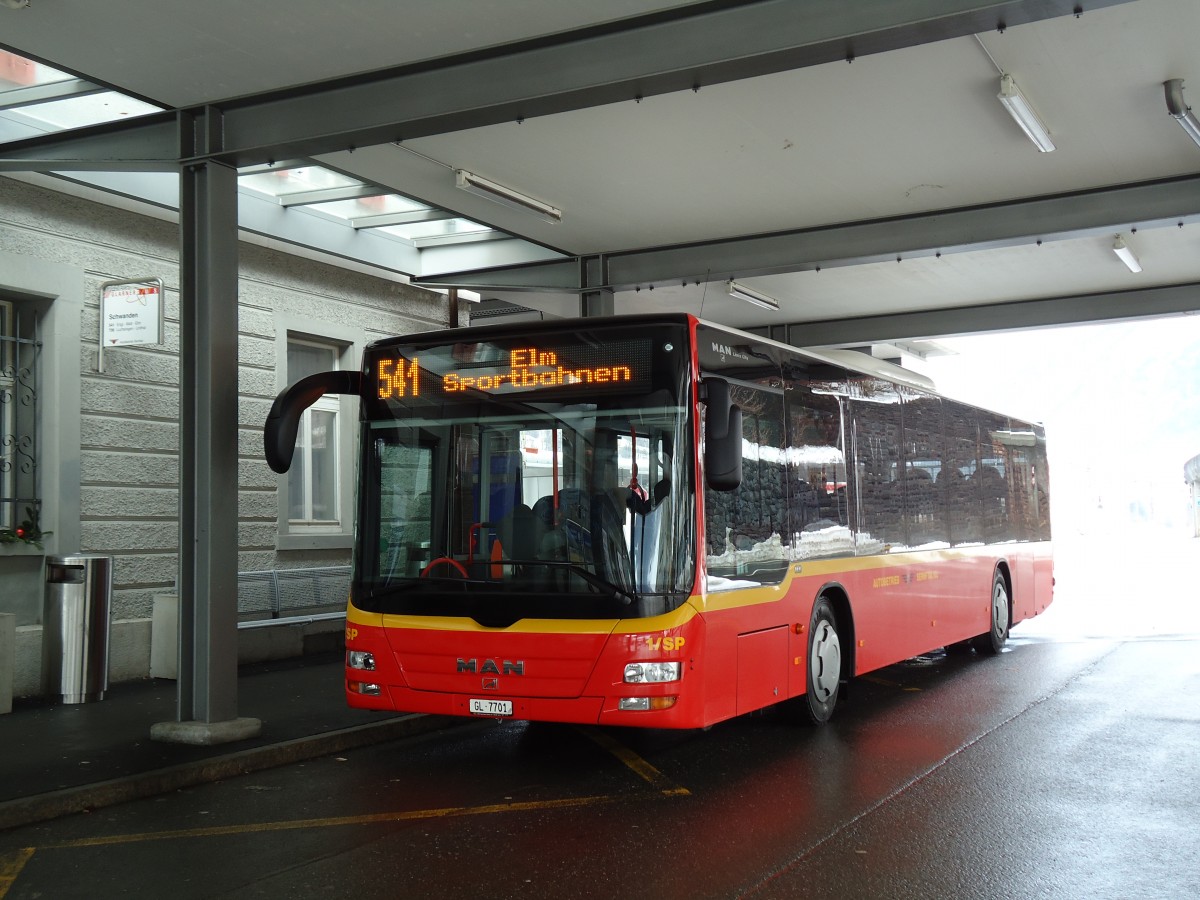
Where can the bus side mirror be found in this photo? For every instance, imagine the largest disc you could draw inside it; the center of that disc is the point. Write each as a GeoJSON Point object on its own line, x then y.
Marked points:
{"type": "Point", "coordinates": [283, 421]}
{"type": "Point", "coordinates": [722, 436]}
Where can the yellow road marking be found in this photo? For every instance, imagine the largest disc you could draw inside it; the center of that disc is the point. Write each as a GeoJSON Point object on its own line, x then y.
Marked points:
{"type": "Point", "coordinates": [296, 824]}
{"type": "Point", "coordinates": [11, 865]}
{"type": "Point", "coordinates": [643, 769]}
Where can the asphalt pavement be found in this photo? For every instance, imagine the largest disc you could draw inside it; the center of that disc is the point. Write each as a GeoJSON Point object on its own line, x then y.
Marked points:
{"type": "Point", "coordinates": [60, 758]}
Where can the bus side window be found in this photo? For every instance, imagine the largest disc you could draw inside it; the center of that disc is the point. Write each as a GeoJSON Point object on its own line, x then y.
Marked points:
{"type": "Point", "coordinates": [924, 506]}
{"type": "Point", "coordinates": [816, 463]}
{"type": "Point", "coordinates": [960, 488]}
{"type": "Point", "coordinates": [877, 461]}
{"type": "Point", "coordinates": [747, 527]}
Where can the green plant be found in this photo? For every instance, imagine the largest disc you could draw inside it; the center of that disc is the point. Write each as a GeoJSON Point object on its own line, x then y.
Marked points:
{"type": "Point", "coordinates": [28, 532]}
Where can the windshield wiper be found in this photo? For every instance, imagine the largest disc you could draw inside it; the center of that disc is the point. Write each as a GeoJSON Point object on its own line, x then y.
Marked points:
{"type": "Point", "coordinates": [592, 579]}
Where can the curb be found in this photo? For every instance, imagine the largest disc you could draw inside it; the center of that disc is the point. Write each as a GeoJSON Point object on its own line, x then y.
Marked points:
{"type": "Point", "coordinates": [52, 804]}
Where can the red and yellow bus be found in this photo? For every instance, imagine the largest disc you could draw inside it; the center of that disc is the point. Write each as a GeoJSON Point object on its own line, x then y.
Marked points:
{"type": "Point", "coordinates": [662, 522]}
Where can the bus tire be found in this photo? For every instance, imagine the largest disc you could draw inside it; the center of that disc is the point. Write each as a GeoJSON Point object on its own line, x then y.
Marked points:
{"type": "Point", "coordinates": [992, 641]}
{"type": "Point", "coordinates": [823, 671]}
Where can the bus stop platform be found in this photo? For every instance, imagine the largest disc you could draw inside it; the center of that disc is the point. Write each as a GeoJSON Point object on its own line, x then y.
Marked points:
{"type": "Point", "coordinates": [57, 759]}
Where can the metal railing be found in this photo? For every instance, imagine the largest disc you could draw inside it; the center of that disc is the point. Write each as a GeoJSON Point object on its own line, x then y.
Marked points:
{"type": "Point", "coordinates": [292, 596]}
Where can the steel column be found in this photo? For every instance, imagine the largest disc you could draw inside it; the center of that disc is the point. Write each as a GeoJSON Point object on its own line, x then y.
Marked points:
{"type": "Point", "coordinates": [594, 303]}
{"type": "Point", "coordinates": [208, 560]}
{"type": "Point", "coordinates": [595, 300]}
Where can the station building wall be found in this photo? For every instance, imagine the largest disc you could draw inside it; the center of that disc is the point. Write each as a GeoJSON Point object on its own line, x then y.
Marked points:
{"type": "Point", "coordinates": [107, 444]}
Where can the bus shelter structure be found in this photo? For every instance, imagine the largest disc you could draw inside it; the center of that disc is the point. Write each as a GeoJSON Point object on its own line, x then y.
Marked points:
{"type": "Point", "coordinates": [625, 155]}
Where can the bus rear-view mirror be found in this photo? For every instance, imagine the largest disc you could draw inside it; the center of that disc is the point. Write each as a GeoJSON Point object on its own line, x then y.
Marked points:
{"type": "Point", "coordinates": [722, 436]}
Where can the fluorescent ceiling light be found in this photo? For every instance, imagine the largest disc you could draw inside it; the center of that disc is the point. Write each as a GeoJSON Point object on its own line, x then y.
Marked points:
{"type": "Point", "coordinates": [498, 193]}
{"type": "Point", "coordinates": [1018, 107]}
{"type": "Point", "coordinates": [1126, 255]}
{"type": "Point", "coordinates": [1180, 111]}
{"type": "Point", "coordinates": [742, 292]}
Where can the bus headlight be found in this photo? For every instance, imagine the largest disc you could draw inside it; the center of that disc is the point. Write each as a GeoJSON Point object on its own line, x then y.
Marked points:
{"type": "Point", "coordinates": [360, 659]}
{"type": "Point", "coordinates": [643, 704]}
{"type": "Point", "coordinates": [651, 672]}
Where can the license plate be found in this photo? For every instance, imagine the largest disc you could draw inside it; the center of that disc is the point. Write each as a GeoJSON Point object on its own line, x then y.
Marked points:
{"type": "Point", "coordinates": [491, 707]}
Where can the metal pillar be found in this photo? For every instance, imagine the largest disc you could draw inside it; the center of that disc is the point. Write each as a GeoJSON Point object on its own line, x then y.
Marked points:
{"type": "Point", "coordinates": [208, 560]}
{"type": "Point", "coordinates": [596, 303]}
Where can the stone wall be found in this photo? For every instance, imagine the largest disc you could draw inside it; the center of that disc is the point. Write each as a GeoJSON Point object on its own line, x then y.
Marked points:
{"type": "Point", "coordinates": [127, 454]}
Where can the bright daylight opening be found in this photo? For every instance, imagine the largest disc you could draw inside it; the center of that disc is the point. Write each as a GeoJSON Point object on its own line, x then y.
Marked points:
{"type": "Point", "coordinates": [1121, 406]}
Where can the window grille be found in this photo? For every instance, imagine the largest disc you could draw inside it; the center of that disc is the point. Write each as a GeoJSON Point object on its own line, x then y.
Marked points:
{"type": "Point", "coordinates": [20, 348]}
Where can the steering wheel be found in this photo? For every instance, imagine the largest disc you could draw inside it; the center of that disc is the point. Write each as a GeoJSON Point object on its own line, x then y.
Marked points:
{"type": "Point", "coordinates": [445, 561]}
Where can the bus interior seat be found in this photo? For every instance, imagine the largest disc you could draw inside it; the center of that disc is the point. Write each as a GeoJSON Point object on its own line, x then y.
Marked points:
{"type": "Point", "coordinates": [520, 533]}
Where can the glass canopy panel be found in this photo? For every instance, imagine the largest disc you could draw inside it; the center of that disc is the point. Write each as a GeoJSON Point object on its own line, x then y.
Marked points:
{"type": "Point", "coordinates": [17, 72]}
{"type": "Point", "coordinates": [296, 180]}
{"type": "Point", "coordinates": [419, 230]}
{"type": "Point", "coordinates": [92, 106]}
{"type": "Point", "coordinates": [365, 207]}
{"type": "Point", "coordinates": [78, 112]}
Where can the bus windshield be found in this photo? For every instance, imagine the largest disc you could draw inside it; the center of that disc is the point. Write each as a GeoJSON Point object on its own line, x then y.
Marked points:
{"type": "Point", "coordinates": [501, 501]}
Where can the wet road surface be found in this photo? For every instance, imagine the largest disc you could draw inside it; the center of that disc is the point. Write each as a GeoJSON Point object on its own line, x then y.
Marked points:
{"type": "Point", "coordinates": [1061, 768]}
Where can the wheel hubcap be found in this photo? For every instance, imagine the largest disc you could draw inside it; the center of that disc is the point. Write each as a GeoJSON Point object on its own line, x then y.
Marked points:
{"type": "Point", "coordinates": [826, 662]}
{"type": "Point", "coordinates": [999, 610]}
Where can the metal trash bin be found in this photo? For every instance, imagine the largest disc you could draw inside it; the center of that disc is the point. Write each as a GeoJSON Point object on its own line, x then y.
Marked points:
{"type": "Point", "coordinates": [75, 627]}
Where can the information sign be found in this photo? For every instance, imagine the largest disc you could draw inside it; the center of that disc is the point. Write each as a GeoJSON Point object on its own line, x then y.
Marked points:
{"type": "Point", "coordinates": [131, 313]}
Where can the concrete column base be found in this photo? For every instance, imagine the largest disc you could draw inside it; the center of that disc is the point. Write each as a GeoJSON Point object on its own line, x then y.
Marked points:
{"type": "Point", "coordinates": [204, 734]}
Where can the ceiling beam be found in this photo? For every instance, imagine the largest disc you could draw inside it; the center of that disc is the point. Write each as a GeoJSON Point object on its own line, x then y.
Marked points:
{"type": "Point", "coordinates": [1005, 224]}
{"type": "Point", "coordinates": [683, 48]}
{"type": "Point", "coordinates": [1144, 303]}
{"type": "Point", "coordinates": [37, 94]}
{"type": "Point", "coordinates": [145, 144]}
{"type": "Point", "coordinates": [680, 49]}
{"type": "Point", "coordinates": [412, 217]}
{"type": "Point", "coordinates": [461, 237]}
{"type": "Point", "coordinates": [327, 195]}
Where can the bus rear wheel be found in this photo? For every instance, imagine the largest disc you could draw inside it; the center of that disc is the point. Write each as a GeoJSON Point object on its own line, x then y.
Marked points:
{"type": "Point", "coordinates": [992, 641]}
{"type": "Point", "coordinates": [823, 674]}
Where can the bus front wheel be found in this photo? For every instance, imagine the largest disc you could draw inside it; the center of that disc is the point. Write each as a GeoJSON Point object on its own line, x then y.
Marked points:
{"type": "Point", "coordinates": [823, 674]}
{"type": "Point", "coordinates": [992, 641]}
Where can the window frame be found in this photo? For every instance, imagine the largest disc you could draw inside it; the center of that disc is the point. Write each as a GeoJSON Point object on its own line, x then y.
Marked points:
{"type": "Point", "coordinates": [8, 477]}
{"type": "Point", "coordinates": [345, 344]}
{"type": "Point", "coordinates": [305, 444]}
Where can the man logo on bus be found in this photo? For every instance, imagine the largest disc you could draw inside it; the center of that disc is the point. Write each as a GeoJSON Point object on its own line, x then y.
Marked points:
{"type": "Point", "coordinates": [725, 350]}
{"type": "Point", "coordinates": [489, 667]}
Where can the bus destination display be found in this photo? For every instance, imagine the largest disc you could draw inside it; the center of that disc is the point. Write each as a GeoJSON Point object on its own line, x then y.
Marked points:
{"type": "Point", "coordinates": [451, 371]}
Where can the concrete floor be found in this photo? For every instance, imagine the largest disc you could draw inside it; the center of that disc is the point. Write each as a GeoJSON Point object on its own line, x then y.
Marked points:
{"type": "Point", "coordinates": [1065, 767]}
{"type": "Point", "coordinates": [1062, 768]}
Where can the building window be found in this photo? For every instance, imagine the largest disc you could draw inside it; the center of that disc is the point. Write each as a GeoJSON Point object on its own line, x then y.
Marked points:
{"type": "Point", "coordinates": [19, 346]}
{"type": "Point", "coordinates": [313, 489]}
